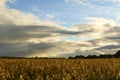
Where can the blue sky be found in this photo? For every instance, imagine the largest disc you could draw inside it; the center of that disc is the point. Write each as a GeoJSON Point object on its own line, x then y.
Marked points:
{"type": "Point", "coordinates": [68, 13]}
{"type": "Point", "coordinates": [59, 28]}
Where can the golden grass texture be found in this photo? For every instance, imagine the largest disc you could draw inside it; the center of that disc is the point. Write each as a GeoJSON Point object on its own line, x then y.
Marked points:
{"type": "Point", "coordinates": [59, 69]}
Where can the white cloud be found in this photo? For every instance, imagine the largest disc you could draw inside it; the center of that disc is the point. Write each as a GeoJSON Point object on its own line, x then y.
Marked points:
{"type": "Point", "coordinates": [14, 16]}
{"type": "Point", "coordinates": [95, 27]}
{"type": "Point", "coordinates": [116, 1]}
{"type": "Point", "coordinates": [35, 9]}
{"type": "Point", "coordinates": [51, 15]}
{"type": "Point", "coordinates": [83, 2]}
{"type": "Point", "coordinates": [3, 2]}
{"type": "Point", "coordinates": [89, 2]}
{"type": "Point", "coordinates": [20, 18]}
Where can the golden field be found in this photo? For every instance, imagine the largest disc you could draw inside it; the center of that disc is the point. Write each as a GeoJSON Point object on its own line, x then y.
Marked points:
{"type": "Point", "coordinates": [59, 69]}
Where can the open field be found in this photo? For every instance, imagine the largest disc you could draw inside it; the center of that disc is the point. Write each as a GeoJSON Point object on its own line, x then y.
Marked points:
{"type": "Point", "coordinates": [59, 69]}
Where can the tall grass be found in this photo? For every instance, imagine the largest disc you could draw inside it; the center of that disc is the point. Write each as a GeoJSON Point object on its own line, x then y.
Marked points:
{"type": "Point", "coordinates": [59, 69]}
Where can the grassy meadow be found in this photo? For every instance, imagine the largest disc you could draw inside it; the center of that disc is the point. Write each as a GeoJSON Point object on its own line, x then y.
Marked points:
{"type": "Point", "coordinates": [59, 69]}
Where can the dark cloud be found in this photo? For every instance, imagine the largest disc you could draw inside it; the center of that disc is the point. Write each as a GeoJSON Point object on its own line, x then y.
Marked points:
{"type": "Point", "coordinates": [23, 49]}
{"type": "Point", "coordinates": [14, 32]}
{"type": "Point", "coordinates": [73, 33]}
{"type": "Point", "coordinates": [109, 47]}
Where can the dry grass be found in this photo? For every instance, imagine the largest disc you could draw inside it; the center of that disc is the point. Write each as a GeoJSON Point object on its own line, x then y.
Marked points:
{"type": "Point", "coordinates": [59, 69]}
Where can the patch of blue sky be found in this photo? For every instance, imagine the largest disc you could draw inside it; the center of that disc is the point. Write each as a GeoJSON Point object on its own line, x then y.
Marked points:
{"type": "Point", "coordinates": [25, 5]}
{"type": "Point", "coordinates": [74, 38]}
{"type": "Point", "coordinates": [102, 3]}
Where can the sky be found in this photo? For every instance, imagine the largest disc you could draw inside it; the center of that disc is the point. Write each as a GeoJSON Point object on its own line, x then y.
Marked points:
{"type": "Point", "coordinates": [59, 28]}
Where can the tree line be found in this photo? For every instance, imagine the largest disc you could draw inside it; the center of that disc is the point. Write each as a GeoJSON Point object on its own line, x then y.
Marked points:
{"type": "Point", "coordinates": [116, 55]}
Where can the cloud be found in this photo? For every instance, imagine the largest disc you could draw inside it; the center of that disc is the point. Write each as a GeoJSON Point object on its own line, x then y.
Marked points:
{"type": "Point", "coordinates": [3, 2]}
{"type": "Point", "coordinates": [108, 47]}
{"type": "Point", "coordinates": [51, 15]}
{"type": "Point", "coordinates": [19, 33]}
{"type": "Point", "coordinates": [92, 2]}
{"type": "Point", "coordinates": [43, 49]}
{"type": "Point", "coordinates": [95, 27]}
{"type": "Point", "coordinates": [83, 2]}
{"type": "Point", "coordinates": [24, 49]}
